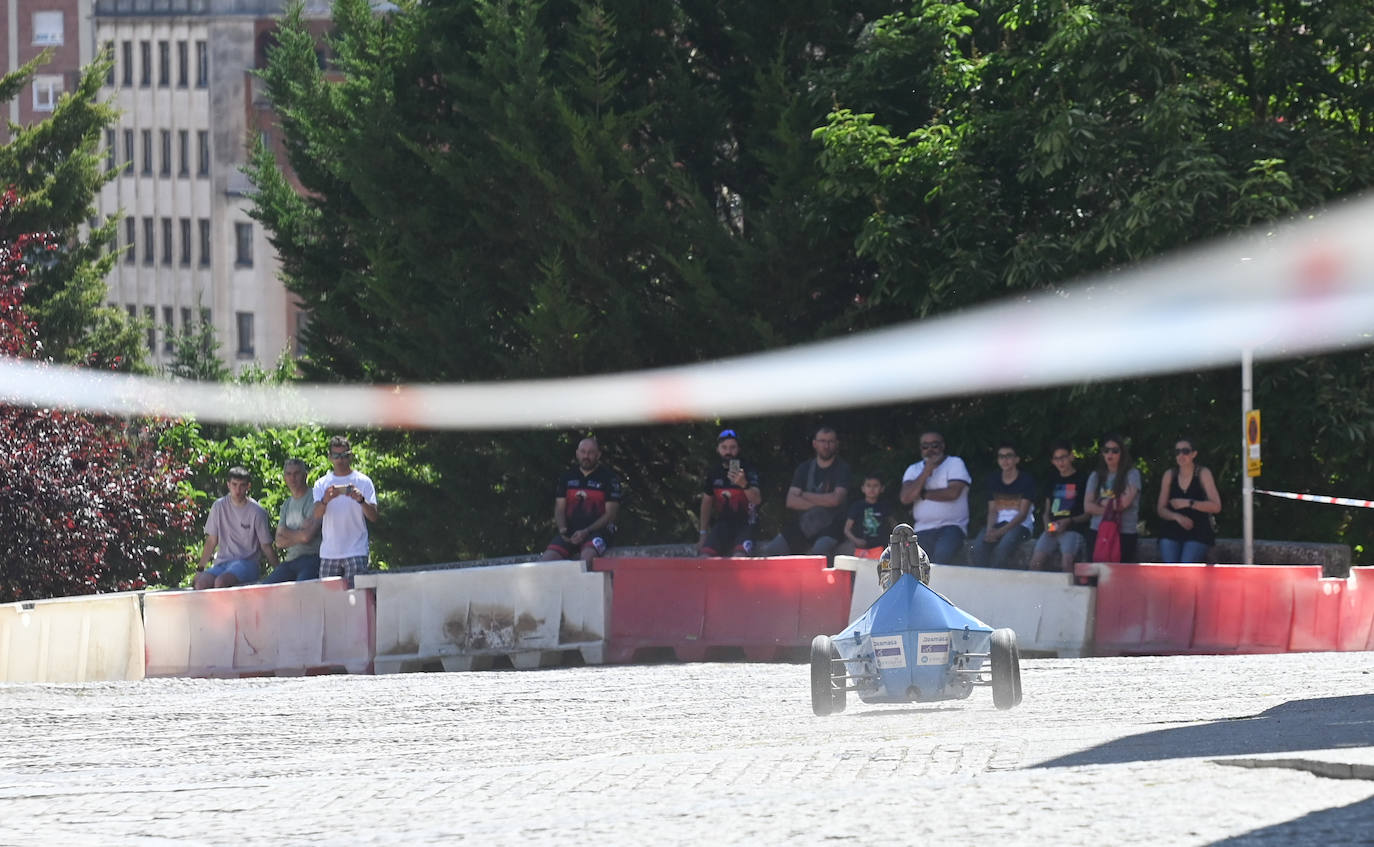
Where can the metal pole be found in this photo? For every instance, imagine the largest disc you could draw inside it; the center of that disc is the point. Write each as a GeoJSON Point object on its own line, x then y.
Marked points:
{"type": "Point", "coordinates": [1247, 490]}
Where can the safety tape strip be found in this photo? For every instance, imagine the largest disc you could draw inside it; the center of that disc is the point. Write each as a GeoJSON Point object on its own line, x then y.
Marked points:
{"type": "Point", "coordinates": [1319, 498]}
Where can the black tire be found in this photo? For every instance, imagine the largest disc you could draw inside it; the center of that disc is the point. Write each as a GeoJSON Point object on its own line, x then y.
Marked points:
{"type": "Point", "coordinates": [838, 694]}
{"type": "Point", "coordinates": [1006, 669]}
{"type": "Point", "coordinates": [822, 695]}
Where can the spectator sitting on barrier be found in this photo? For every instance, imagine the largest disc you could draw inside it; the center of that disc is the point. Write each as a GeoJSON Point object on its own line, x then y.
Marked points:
{"type": "Point", "coordinates": [731, 494]}
{"type": "Point", "coordinates": [1115, 479]}
{"type": "Point", "coordinates": [936, 488]}
{"type": "Point", "coordinates": [585, 505]}
{"type": "Point", "coordinates": [345, 501]}
{"type": "Point", "coordinates": [1188, 498]}
{"type": "Point", "coordinates": [1011, 510]}
{"type": "Point", "coordinates": [297, 532]}
{"type": "Point", "coordinates": [816, 501]}
{"type": "Point", "coordinates": [1065, 519]}
{"type": "Point", "coordinates": [868, 525]}
{"type": "Point", "coordinates": [236, 534]}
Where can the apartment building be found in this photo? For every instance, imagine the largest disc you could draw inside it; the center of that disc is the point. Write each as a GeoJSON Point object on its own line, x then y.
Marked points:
{"type": "Point", "coordinates": [190, 106]}
{"type": "Point", "coordinates": [30, 27]}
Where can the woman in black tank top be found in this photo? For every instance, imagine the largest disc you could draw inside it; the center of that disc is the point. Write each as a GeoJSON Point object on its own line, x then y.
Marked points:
{"type": "Point", "coordinates": [1188, 499]}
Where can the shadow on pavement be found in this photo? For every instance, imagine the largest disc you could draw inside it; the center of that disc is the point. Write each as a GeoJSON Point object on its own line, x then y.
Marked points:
{"type": "Point", "coordinates": [1317, 724]}
{"type": "Point", "coordinates": [1353, 824]}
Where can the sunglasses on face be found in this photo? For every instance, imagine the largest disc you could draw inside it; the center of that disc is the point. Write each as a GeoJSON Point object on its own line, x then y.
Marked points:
{"type": "Point", "coordinates": [1183, 451]}
{"type": "Point", "coordinates": [1006, 455]}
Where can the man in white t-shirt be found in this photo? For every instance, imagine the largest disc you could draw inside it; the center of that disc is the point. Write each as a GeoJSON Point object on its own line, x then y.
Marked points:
{"type": "Point", "coordinates": [936, 488]}
{"type": "Point", "coordinates": [345, 500]}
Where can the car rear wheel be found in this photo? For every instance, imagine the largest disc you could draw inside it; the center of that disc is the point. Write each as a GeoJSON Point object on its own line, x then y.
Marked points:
{"type": "Point", "coordinates": [822, 690]}
{"type": "Point", "coordinates": [1006, 669]}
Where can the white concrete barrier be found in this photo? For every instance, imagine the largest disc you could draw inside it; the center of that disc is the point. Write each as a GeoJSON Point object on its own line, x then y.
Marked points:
{"type": "Point", "coordinates": [72, 639]}
{"type": "Point", "coordinates": [1048, 612]}
{"type": "Point", "coordinates": [866, 588]}
{"type": "Point", "coordinates": [467, 617]}
{"type": "Point", "coordinates": [286, 629]}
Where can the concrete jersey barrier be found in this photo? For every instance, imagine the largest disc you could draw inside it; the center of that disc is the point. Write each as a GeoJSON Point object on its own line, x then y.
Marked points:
{"type": "Point", "coordinates": [72, 639]}
{"type": "Point", "coordinates": [466, 619]}
{"type": "Point", "coordinates": [286, 629]}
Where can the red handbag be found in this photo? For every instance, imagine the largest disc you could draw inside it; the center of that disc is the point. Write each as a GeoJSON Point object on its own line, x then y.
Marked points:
{"type": "Point", "coordinates": [1108, 546]}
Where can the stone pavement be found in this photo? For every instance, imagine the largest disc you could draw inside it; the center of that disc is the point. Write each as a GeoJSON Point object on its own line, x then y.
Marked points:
{"type": "Point", "coordinates": [1159, 751]}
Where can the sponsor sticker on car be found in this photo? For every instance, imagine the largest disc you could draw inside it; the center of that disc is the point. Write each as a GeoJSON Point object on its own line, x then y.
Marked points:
{"type": "Point", "coordinates": [888, 649]}
{"type": "Point", "coordinates": [932, 647]}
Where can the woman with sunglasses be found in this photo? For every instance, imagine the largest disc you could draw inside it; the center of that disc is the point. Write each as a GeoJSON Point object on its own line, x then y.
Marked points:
{"type": "Point", "coordinates": [1115, 479]}
{"type": "Point", "coordinates": [1187, 500]}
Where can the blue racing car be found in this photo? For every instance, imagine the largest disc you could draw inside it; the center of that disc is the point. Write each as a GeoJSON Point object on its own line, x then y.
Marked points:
{"type": "Point", "coordinates": [912, 645]}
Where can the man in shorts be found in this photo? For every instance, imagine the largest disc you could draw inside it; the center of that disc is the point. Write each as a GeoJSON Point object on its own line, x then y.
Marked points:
{"type": "Point", "coordinates": [298, 533]}
{"type": "Point", "coordinates": [345, 503]}
{"type": "Point", "coordinates": [586, 502]}
{"type": "Point", "coordinates": [236, 536]}
{"type": "Point", "coordinates": [1065, 520]}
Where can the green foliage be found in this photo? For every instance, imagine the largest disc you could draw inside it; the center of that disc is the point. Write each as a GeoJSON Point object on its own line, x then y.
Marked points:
{"type": "Point", "coordinates": [57, 166]}
{"type": "Point", "coordinates": [195, 354]}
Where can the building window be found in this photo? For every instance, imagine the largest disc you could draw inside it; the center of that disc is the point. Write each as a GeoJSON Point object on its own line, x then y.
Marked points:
{"type": "Point", "coordinates": [245, 331]}
{"type": "Point", "coordinates": [302, 321]}
{"type": "Point", "coordinates": [185, 241]}
{"type": "Point", "coordinates": [109, 52]}
{"type": "Point", "coordinates": [243, 242]}
{"type": "Point", "coordinates": [128, 151]}
{"type": "Point", "coordinates": [181, 64]}
{"type": "Point", "coordinates": [167, 329]}
{"type": "Point", "coordinates": [47, 28]}
{"type": "Point", "coordinates": [165, 136]}
{"type": "Point", "coordinates": [202, 64]}
{"type": "Point", "coordinates": [183, 152]}
{"type": "Point", "coordinates": [148, 236]}
{"type": "Point", "coordinates": [145, 64]}
{"type": "Point", "coordinates": [164, 64]}
{"type": "Point", "coordinates": [166, 241]}
{"type": "Point", "coordinates": [126, 64]}
{"type": "Point", "coordinates": [132, 310]}
{"type": "Point", "coordinates": [185, 320]}
{"type": "Point", "coordinates": [131, 241]}
{"type": "Point", "coordinates": [146, 136]}
{"type": "Point", "coordinates": [46, 90]}
{"type": "Point", "coordinates": [204, 242]}
{"type": "Point", "coordinates": [152, 328]}
{"type": "Point", "coordinates": [110, 163]}
{"type": "Point", "coordinates": [202, 152]}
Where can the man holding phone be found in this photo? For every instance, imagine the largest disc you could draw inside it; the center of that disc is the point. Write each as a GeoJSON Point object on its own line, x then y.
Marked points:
{"type": "Point", "coordinates": [731, 493]}
{"type": "Point", "coordinates": [345, 500]}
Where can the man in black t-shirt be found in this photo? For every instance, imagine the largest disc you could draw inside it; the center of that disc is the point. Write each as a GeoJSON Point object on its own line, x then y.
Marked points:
{"type": "Point", "coordinates": [585, 505]}
{"type": "Point", "coordinates": [816, 501]}
{"type": "Point", "coordinates": [1065, 521]}
{"type": "Point", "coordinates": [731, 495]}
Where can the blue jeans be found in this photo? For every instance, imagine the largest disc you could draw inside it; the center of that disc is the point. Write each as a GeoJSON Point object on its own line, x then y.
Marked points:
{"type": "Point", "coordinates": [295, 570]}
{"type": "Point", "coordinates": [1173, 551]}
{"type": "Point", "coordinates": [942, 544]}
{"type": "Point", "coordinates": [998, 553]}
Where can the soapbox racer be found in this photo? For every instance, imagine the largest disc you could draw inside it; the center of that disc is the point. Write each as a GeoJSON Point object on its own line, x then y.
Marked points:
{"type": "Point", "coordinates": [913, 645]}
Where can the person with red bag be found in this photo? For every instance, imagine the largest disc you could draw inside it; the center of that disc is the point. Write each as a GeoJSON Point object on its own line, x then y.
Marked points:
{"type": "Point", "coordinates": [1112, 498]}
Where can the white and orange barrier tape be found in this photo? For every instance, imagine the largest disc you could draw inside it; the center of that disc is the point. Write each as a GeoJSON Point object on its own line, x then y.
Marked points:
{"type": "Point", "coordinates": [1319, 498]}
{"type": "Point", "coordinates": [1280, 291]}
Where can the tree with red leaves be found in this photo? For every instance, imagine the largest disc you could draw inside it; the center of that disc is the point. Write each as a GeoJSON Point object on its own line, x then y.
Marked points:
{"type": "Point", "coordinates": [87, 504]}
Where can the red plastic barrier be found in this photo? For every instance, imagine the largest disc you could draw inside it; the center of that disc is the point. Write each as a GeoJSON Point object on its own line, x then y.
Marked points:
{"type": "Point", "coordinates": [762, 607]}
{"type": "Point", "coordinates": [1231, 609]}
{"type": "Point", "coordinates": [1249, 608]}
{"type": "Point", "coordinates": [1356, 630]}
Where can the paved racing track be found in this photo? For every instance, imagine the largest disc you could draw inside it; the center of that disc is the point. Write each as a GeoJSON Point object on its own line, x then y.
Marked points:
{"type": "Point", "coordinates": [1158, 751]}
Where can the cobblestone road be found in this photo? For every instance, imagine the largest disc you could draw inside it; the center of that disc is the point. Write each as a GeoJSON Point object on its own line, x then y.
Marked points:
{"type": "Point", "coordinates": [1102, 751]}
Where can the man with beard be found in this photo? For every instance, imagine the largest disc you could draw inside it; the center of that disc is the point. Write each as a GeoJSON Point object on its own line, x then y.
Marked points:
{"type": "Point", "coordinates": [731, 493]}
{"type": "Point", "coordinates": [586, 503]}
{"type": "Point", "coordinates": [816, 501]}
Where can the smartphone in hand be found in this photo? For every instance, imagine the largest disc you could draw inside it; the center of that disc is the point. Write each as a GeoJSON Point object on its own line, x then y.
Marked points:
{"type": "Point", "coordinates": [734, 465]}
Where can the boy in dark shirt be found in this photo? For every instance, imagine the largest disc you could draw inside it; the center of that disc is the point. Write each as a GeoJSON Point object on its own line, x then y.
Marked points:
{"type": "Point", "coordinates": [869, 522]}
{"type": "Point", "coordinates": [1065, 520]}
